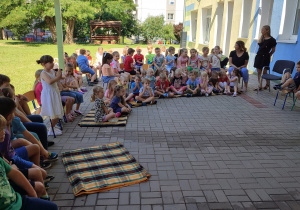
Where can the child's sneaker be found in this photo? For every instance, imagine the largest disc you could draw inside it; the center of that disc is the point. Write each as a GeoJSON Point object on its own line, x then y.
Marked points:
{"type": "Point", "coordinates": [166, 95]}
{"type": "Point", "coordinates": [161, 96]}
{"type": "Point", "coordinates": [78, 112]}
{"type": "Point", "coordinates": [70, 118]}
{"type": "Point", "coordinates": [52, 157]}
{"type": "Point", "coordinates": [153, 102]}
{"type": "Point", "coordinates": [234, 95]}
{"type": "Point", "coordinates": [49, 178]}
{"type": "Point", "coordinates": [79, 91]}
{"type": "Point", "coordinates": [90, 83]}
{"type": "Point", "coordinates": [84, 90]}
{"type": "Point", "coordinates": [45, 165]}
{"type": "Point", "coordinates": [206, 94]}
{"type": "Point", "coordinates": [144, 104]}
{"type": "Point", "coordinates": [189, 95]}
{"type": "Point", "coordinates": [118, 114]}
{"type": "Point", "coordinates": [179, 92]}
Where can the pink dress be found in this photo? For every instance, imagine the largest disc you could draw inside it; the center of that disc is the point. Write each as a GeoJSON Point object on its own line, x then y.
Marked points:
{"type": "Point", "coordinates": [183, 62]}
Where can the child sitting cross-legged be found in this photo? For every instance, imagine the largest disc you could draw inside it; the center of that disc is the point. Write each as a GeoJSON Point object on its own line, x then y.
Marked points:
{"type": "Point", "coordinates": [234, 81]}
{"type": "Point", "coordinates": [146, 94]}
{"type": "Point", "coordinates": [150, 75]}
{"type": "Point", "coordinates": [178, 87]}
{"type": "Point", "coordinates": [118, 103]}
{"type": "Point", "coordinates": [214, 82]}
{"type": "Point", "coordinates": [102, 113]}
{"type": "Point", "coordinates": [135, 88]}
{"type": "Point", "coordinates": [223, 82]}
{"type": "Point", "coordinates": [205, 89]}
{"type": "Point", "coordinates": [162, 87]}
{"type": "Point", "coordinates": [193, 88]}
{"type": "Point", "coordinates": [110, 91]}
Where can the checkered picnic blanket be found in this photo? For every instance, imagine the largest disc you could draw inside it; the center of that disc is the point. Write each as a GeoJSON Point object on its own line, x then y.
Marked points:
{"type": "Point", "coordinates": [102, 168]}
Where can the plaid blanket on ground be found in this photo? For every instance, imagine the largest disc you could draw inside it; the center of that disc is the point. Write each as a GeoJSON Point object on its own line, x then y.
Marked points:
{"type": "Point", "coordinates": [102, 168]}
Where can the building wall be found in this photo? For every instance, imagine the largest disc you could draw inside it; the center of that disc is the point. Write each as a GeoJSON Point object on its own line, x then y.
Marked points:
{"type": "Point", "coordinates": [242, 20]}
{"type": "Point", "coordinates": [225, 23]}
{"type": "Point", "coordinates": [148, 8]}
{"type": "Point", "coordinates": [285, 49]}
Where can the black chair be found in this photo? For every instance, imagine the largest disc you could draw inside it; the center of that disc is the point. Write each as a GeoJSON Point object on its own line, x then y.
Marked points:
{"type": "Point", "coordinates": [280, 67]}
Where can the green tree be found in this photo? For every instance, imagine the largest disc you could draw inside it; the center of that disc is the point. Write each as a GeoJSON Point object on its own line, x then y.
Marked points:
{"type": "Point", "coordinates": [168, 32]}
{"type": "Point", "coordinates": [152, 28]}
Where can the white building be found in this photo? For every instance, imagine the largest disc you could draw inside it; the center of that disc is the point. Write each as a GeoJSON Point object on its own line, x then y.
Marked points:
{"type": "Point", "coordinates": [172, 10]}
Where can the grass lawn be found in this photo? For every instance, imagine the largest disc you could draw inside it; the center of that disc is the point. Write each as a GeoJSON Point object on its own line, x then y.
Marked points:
{"type": "Point", "coordinates": [18, 59]}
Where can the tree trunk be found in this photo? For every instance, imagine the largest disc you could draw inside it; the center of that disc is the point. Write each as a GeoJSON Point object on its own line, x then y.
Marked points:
{"type": "Point", "coordinates": [52, 26]}
{"type": "Point", "coordinates": [2, 34]}
{"type": "Point", "coordinates": [70, 31]}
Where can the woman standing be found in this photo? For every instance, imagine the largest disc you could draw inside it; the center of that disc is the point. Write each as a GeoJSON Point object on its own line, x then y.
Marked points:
{"type": "Point", "coordinates": [238, 59]}
{"type": "Point", "coordinates": [266, 49]}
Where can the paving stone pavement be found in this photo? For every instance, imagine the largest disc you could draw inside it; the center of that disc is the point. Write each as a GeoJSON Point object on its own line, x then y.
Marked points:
{"type": "Point", "coordinates": [218, 152]}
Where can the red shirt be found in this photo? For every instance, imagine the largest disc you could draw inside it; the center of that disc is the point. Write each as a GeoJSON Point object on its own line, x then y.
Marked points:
{"type": "Point", "coordinates": [139, 58]}
{"type": "Point", "coordinates": [127, 64]}
{"type": "Point", "coordinates": [223, 80]}
{"type": "Point", "coordinates": [162, 85]}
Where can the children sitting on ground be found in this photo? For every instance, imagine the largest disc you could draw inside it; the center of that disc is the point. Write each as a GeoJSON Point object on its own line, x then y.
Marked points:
{"type": "Point", "coordinates": [146, 94]}
{"type": "Point", "coordinates": [135, 88]}
{"type": "Point", "coordinates": [150, 55]}
{"type": "Point", "coordinates": [289, 83]}
{"type": "Point", "coordinates": [194, 62]}
{"type": "Point", "coordinates": [170, 58]}
{"type": "Point", "coordinates": [158, 60]}
{"type": "Point", "coordinates": [216, 59]}
{"type": "Point", "coordinates": [129, 64]}
{"type": "Point", "coordinates": [234, 81]}
{"type": "Point", "coordinates": [118, 103]}
{"type": "Point", "coordinates": [138, 59]}
{"type": "Point", "coordinates": [183, 59]}
{"type": "Point", "coordinates": [205, 89]}
{"type": "Point", "coordinates": [214, 82]}
{"type": "Point", "coordinates": [150, 75]}
{"type": "Point", "coordinates": [102, 114]}
{"type": "Point", "coordinates": [193, 88]}
{"type": "Point", "coordinates": [177, 85]}
{"type": "Point", "coordinates": [223, 82]}
{"type": "Point", "coordinates": [162, 87]}
{"type": "Point", "coordinates": [109, 93]}
{"type": "Point", "coordinates": [205, 60]}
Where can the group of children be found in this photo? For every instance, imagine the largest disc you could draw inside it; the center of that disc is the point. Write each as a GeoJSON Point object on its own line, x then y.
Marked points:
{"type": "Point", "coordinates": [24, 155]}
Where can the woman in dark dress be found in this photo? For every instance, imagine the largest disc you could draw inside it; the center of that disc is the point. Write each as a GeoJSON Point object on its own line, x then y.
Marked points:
{"type": "Point", "coordinates": [266, 49]}
{"type": "Point", "coordinates": [238, 59]}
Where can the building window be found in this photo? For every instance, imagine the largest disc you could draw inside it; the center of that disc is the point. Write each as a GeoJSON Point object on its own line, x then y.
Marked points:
{"type": "Point", "coordinates": [206, 23]}
{"type": "Point", "coordinates": [264, 15]}
{"type": "Point", "coordinates": [289, 25]}
{"type": "Point", "coordinates": [297, 20]}
{"type": "Point", "coordinates": [171, 2]}
{"type": "Point", "coordinates": [193, 28]}
{"type": "Point", "coordinates": [170, 16]}
{"type": "Point", "coordinates": [245, 18]}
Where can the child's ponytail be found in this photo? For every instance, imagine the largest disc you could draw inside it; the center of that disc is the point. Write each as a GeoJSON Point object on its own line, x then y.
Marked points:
{"type": "Point", "coordinates": [96, 90]}
{"type": "Point", "coordinates": [45, 59]}
{"type": "Point", "coordinates": [106, 57]}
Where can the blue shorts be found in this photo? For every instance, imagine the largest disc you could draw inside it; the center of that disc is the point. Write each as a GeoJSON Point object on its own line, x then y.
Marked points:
{"type": "Point", "coordinates": [21, 163]}
{"type": "Point", "coordinates": [86, 69]}
{"type": "Point", "coordinates": [118, 110]}
{"type": "Point", "coordinates": [106, 79]}
{"type": "Point", "coordinates": [22, 153]}
{"type": "Point", "coordinates": [215, 69]}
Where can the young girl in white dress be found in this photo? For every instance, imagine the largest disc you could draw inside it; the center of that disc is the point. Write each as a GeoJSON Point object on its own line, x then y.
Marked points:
{"type": "Point", "coordinates": [50, 97]}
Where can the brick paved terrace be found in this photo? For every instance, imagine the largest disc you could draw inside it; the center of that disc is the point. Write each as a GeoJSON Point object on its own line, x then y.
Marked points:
{"type": "Point", "coordinates": [218, 152]}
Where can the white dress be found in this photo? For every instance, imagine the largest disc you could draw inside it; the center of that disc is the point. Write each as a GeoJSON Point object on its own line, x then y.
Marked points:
{"type": "Point", "coordinates": [51, 100]}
